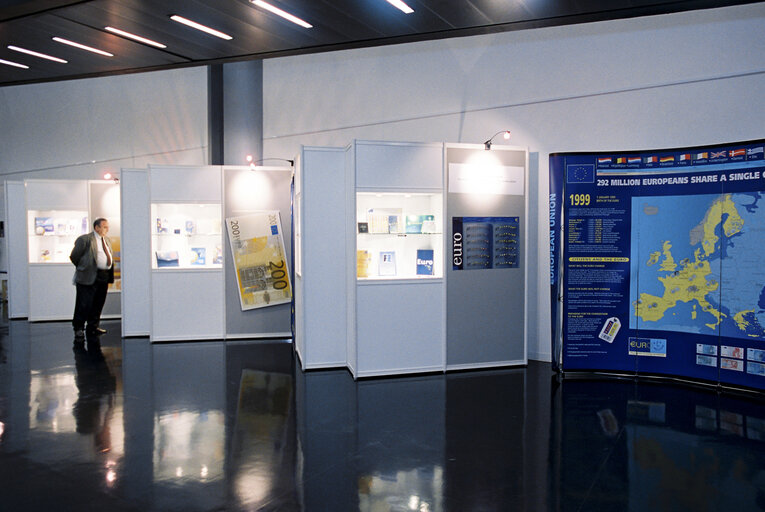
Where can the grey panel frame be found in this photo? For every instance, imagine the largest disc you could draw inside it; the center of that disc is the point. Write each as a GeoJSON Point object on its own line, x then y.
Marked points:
{"type": "Point", "coordinates": [486, 310]}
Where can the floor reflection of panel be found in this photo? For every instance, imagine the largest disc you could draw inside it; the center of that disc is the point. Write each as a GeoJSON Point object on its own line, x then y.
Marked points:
{"type": "Point", "coordinates": [485, 459]}
{"type": "Point", "coordinates": [263, 439]}
{"type": "Point", "coordinates": [401, 444]}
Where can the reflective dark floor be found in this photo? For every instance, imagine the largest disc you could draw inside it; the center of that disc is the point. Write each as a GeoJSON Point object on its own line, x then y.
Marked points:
{"type": "Point", "coordinates": [126, 425]}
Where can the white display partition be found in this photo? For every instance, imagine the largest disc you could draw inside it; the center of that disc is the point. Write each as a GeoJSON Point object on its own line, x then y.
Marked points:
{"type": "Point", "coordinates": [395, 227]}
{"type": "Point", "coordinates": [57, 213]}
{"type": "Point", "coordinates": [136, 252]}
{"type": "Point", "coordinates": [187, 300]}
{"type": "Point", "coordinates": [320, 247]}
{"type": "Point", "coordinates": [16, 242]}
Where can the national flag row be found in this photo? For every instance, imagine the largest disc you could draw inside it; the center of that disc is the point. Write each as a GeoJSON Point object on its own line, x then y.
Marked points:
{"type": "Point", "coordinates": [754, 153]}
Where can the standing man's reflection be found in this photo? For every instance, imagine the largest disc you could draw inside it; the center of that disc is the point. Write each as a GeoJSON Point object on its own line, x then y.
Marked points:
{"type": "Point", "coordinates": [96, 389]}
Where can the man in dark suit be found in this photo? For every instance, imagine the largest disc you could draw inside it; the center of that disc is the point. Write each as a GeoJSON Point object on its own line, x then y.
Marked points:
{"type": "Point", "coordinates": [92, 257]}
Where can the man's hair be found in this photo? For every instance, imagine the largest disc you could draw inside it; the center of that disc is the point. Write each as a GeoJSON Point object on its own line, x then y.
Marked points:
{"type": "Point", "coordinates": [98, 222]}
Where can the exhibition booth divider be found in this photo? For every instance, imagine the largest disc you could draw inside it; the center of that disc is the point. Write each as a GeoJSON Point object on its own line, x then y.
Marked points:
{"type": "Point", "coordinates": [411, 257]}
{"type": "Point", "coordinates": [656, 259]}
{"type": "Point", "coordinates": [211, 244]}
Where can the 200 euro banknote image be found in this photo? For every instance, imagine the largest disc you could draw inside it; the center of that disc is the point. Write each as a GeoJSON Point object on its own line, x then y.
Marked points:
{"type": "Point", "coordinates": [257, 248]}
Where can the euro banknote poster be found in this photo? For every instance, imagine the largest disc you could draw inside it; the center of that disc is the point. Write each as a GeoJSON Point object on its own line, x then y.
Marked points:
{"type": "Point", "coordinates": [257, 248]}
{"type": "Point", "coordinates": [662, 265]}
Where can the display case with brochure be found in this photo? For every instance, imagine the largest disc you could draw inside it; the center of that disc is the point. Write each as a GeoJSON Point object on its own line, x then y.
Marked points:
{"type": "Point", "coordinates": [399, 235]}
{"type": "Point", "coordinates": [186, 235]}
{"type": "Point", "coordinates": [397, 288]}
{"type": "Point", "coordinates": [51, 233]}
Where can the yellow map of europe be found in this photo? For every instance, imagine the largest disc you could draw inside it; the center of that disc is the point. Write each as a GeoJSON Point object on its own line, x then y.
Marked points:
{"type": "Point", "coordinates": [697, 265]}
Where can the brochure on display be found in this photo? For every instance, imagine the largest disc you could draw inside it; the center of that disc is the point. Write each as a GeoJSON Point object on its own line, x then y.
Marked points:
{"type": "Point", "coordinates": [392, 220]}
{"type": "Point", "coordinates": [257, 249]}
{"type": "Point", "coordinates": [362, 263]}
{"type": "Point", "coordinates": [379, 220]}
{"type": "Point", "coordinates": [198, 255]}
{"type": "Point", "coordinates": [387, 264]}
{"type": "Point", "coordinates": [185, 226]}
{"type": "Point", "coordinates": [167, 259]}
{"type": "Point", "coordinates": [420, 224]}
{"type": "Point", "coordinates": [425, 262]}
{"type": "Point", "coordinates": [46, 226]}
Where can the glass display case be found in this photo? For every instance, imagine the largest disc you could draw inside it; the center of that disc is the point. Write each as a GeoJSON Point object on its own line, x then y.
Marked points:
{"type": "Point", "coordinates": [51, 234]}
{"type": "Point", "coordinates": [399, 235]}
{"type": "Point", "coordinates": [186, 236]}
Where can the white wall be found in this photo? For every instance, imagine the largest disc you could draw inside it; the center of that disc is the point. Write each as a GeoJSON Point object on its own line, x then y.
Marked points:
{"type": "Point", "coordinates": [682, 79]}
{"type": "Point", "coordinates": [81, 128]}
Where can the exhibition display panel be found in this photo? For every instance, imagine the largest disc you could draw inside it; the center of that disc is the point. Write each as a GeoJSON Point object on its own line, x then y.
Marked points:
{"type": "Point", "coordinates": [396, 317]}
{"type": "Point", "coordinates": [658, 262]}
{"type": "Point", "coordinates": [187, 297]}
{"type": "Point", "coordinates": [257, 258]}
{"type": "Point", "coordinates": [486, 276]}
{"type": "Point", "coordinates": [416, 300]}
{"type": "Point", "coordinates": [51, 235]}
{"type": "Point", "coordinates": [319, 219]}
{"type": "Point", "coordinates": [44, 219]}
{"type": "Point", "coordinates": [207, 281]}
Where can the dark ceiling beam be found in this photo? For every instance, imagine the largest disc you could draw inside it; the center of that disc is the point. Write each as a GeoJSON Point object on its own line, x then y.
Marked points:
{"type": "Point", "coordinates": [12, 9]}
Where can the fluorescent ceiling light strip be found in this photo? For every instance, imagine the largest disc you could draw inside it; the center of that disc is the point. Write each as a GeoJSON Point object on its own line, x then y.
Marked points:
{"type": "Point", "coordinates": [283, 14]}
{"type": "Point", "coordinates": [199, 26]}
{"type": "Point", "coordinates": [35, 54]}
{"type": "Point", "coordinates": [401, 5]}
{"type": "Point", "coordinates": [82, 46]}
{"type": "Point", "coordinates": [135, 37]}
{"type": "Point", "coordinates": [14, 64]}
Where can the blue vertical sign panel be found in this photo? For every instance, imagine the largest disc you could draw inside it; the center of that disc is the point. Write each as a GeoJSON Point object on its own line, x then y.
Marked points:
{"type": "Point", "coordinates": [661, 261]}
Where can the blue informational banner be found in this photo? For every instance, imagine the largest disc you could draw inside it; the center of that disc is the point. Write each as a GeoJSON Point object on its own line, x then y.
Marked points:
{"type": "Point", "coordinates": [662, 267]}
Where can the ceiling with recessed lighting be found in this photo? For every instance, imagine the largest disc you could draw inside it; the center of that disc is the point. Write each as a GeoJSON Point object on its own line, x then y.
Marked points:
{"type": "Point", "coordinates": [46, 40]}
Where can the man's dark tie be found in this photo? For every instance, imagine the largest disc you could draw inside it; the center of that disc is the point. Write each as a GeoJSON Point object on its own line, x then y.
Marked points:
{"type": "Point", "coordinates": [106, 251]}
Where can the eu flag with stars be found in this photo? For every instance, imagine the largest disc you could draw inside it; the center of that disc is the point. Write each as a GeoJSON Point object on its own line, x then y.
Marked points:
{"type": "Point", "coordinates": [580, 173]}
